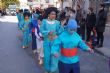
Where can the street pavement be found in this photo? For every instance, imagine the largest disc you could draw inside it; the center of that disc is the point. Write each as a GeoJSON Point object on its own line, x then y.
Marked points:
{"type": "Point", "coordinates": [14, 59]}
{"type": "Point", "coordinates": [105, 50]}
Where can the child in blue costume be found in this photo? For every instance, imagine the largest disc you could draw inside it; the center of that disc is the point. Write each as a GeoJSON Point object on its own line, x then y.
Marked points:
{"type": "Point", "coordinates": [20, 18]}
{"type": "Point", "coordinates": [39, 39]}
{"type": "Point", "coordinates": [26, 30]}
{"type": "Point", "coordinates": [34, 24]}
{"type": "Point", "coordinates": [50, 26]}
{"type": "Point", "coordinates": [66, 47]}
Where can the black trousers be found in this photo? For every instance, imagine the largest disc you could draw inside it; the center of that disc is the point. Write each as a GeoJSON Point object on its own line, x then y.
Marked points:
{"type": "Point", "coordinates": [100, 38]}
{"type": "Point", "coordinates": [81, 32]}
{"type": "Point", "coordinates": [34, 45]}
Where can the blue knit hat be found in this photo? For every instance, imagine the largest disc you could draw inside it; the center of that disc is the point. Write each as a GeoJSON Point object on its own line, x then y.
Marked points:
{"type": "Point", "coordinates": [72, 24]}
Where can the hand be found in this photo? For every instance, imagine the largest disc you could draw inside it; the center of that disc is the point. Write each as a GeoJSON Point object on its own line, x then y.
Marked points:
{"type": "Point", "coordinates": [55, 36]}
{"type": "Point", "coordinates": [40, 39]}
{"type": "Point", "coordinates": [29, 34]}
{"type": "Point", "coordinates": [51, 32]}
{"type": "Point", "coordinates": [63, 22]}
{"type": "Point", "coordinates": [91, 50]}
{"type": "Point", "coordinates": [52, 37]}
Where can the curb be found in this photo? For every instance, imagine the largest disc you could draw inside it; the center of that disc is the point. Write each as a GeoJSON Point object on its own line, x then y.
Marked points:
{"type": "Point", "coordinates": [101, 53]}
{"type": "Point", "coordinates": [108, 24]}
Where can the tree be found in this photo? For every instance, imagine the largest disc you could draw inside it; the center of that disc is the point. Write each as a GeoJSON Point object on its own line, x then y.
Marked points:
{"type": "Point", "coordinates": [62, 4]}
{"type": "Point", "coordinates": [6, 3]}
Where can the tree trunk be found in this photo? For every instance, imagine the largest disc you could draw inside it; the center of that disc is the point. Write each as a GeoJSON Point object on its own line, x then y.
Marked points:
{"type": "Point", "coordinates": [62, 4]}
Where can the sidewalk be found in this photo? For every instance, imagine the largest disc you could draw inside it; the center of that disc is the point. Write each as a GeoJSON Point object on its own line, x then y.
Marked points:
{"type": "Point", "coordinates": [105, 50]}
{"type": "Point", "coordinates": [108, 25]}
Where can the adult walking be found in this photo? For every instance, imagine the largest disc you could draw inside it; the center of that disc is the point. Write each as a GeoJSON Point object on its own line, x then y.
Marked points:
{"type": "Point", "coordinates": [50, 29]}
{"type": "Point", "coordinates": [26, 30]}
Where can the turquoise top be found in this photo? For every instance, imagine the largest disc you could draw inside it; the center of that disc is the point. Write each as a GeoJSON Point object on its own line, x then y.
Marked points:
{"type": "Point", "coordinates": [35, 16]}
{"type": "Point", "coordinates": [46, 27]}
{"type": "Point", "coordinates": [50, 62]}
{"type": "Point", "coordinates": [20, 17]}
{"type": "Point", "coordinates": [66, 40]}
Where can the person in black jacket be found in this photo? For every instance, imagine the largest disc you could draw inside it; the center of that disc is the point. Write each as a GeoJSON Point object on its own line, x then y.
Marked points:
{"type": "Point", "coordinates": [79, 18]}
{"type": "Point", "coordinates": [90, 23]}
{"type": "Point", "coordinates": [100, 27]}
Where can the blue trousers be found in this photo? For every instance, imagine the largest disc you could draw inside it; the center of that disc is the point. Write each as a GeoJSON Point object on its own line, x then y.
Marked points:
{"type": "Point", "coordinates": [34, 45]}
{"type": "Point", "coordinates": [69, 68]}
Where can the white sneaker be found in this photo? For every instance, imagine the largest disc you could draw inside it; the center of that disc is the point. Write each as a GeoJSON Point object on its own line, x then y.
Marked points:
{"type": "Point", "coordinates": [34, 51]}
{"type": "Point", "coordinates": [40, 62]}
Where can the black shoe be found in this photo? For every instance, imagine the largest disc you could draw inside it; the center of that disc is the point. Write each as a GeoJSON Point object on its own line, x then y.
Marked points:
{"type": "Point", "coordinates": [99, 46]}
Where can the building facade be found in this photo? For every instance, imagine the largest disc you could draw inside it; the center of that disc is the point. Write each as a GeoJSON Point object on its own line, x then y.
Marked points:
{"type": "Point", "coordinates": [44, 3]}
{"type": "Point", "coordinates": [23, 4]}
{"type": "Point", "coordinates": [0, 4]}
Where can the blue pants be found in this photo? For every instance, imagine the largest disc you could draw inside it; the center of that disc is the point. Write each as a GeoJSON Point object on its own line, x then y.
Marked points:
{"type": "Point", "coordinates": [18, 25]}
{"type": "Point", "coordinates": [34, 45]}
{"type": "Point", "coordinates": [69, 68]}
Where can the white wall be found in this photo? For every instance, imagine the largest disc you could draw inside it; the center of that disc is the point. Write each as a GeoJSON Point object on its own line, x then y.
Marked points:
{"type": "Point", "coordinates": [67, 3]}
{"type": "Point", "coordinates": [23, 4]}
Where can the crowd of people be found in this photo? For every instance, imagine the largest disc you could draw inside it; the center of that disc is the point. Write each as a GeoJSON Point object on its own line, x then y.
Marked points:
{"type": "Point", "coordinates": [56, 35]}
{"type": "Point", "coordinates": [2, 12]}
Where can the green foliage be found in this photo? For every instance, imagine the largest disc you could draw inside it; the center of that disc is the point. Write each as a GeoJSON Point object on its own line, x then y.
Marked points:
{"type": "Point", "coordinates": [6, 3]}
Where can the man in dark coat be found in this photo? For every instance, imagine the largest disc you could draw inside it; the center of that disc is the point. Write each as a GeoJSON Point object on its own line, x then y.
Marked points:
{"type": "Point", "coordinates": [100, 27]}
{"type": "Point", "coordinates": [90, 22]}
{"type": "Point", "coordinates": [79, 17]}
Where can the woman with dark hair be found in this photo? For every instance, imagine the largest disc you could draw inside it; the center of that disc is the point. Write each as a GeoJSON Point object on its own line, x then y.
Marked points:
{"type": "Point", "coordinates": [50, 30]}
{"type": "Point", "coordinates": [26, 31]}
{"type": "Point", "coordinates": [47, 11]}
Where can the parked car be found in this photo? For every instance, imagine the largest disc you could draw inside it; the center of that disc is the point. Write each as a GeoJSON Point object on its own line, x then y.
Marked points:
{"type": "Point", "coordinates": [13, 12]}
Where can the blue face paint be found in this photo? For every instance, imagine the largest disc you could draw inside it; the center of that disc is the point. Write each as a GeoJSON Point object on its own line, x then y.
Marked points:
{"type": "Point", "coordinates": [72, 26]}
